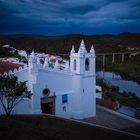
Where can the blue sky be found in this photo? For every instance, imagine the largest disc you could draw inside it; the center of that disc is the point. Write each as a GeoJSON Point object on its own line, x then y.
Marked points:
{"type": "Point", "coordinates": [58, 17]}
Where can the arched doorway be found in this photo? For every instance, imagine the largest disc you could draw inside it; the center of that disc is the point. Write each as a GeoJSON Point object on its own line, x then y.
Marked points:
{"type": "Point", "coordinates": [47, 102]}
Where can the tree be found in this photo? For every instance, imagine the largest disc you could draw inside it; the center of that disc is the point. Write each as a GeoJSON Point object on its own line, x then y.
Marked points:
{"type": "Point", "coordinates": [12, 92]}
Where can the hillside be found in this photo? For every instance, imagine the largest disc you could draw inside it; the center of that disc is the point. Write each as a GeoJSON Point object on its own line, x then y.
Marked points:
{"type": "Point", "coordinates": [62, 44]}
{"type": "Point", "coordinates": [44, 127]}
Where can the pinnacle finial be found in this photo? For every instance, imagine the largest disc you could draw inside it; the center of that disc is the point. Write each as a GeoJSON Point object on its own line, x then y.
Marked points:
{"type": "Point", "coordinates": [72, 50]}
{"type": "Point", "coordinates": [92, 50]}
{"type": "Point", "coordinates": [46, 64]}
{"type": "Point", "coordinates": [82, 48]}
{"type": "Point", "coordinates": [32, 54]}
{"type": "Point", "coordinates": [38, 60]}
{"type": "Point", "coordinates": [56, 65]}
{"type": "Point", "coordinates": [82, 42]}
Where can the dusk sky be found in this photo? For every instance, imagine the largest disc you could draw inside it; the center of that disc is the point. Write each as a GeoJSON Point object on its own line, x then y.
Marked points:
{"type": "Point", "coordinates": [58, 17]}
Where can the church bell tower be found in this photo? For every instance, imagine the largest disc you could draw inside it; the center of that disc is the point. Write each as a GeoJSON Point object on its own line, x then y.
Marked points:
{"type": "Point", "coordinates": [82, 62]}
{"type": "Point", "coordinates": [82, 65]}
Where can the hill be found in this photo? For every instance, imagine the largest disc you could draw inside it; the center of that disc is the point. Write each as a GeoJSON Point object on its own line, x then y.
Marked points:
{"type": "Point", "coordinates": [62, 44]}
{"type": "Point", "coordinates": [45, 127]}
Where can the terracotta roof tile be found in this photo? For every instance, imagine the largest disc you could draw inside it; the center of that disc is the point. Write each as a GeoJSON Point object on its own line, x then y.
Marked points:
{"type": "Point", "coordinates": [6, 66]}
{"type": "Point", "coordinates": [107, 103]}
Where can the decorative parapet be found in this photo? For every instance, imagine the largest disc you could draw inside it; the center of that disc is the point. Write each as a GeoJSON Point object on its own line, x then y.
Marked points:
{"type": "Point", "coordinates": [10, 72]}
{"type": "Point", "coordinates": [16, 70]}
{"type": "Point", "coordinates": [5, 73]}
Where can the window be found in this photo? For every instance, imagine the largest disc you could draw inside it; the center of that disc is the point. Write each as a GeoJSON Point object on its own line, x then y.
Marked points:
{"type": "Point", "coordinates": [64, 108]}
{"type": "Point", "coordinates": [74, 64]}
{"type": "Point", "coordinates": [87, 64]}
{"type": "Point", "coordinates": [46, 91]}
{"type": "Point", "coordinates": [64, 98]}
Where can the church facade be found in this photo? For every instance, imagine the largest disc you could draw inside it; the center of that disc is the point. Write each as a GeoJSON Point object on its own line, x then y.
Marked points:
{"type": "Point", "coordinates": [72, 90]}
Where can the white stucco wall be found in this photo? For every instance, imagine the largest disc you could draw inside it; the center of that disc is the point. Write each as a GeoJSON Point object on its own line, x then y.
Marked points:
{"type": "Point", "coordinates": [57, 82]}
{"type": "Point", "coordinates": [67, 113]}
{"type": "Point", "coordinates": [89, 100]}
{"type": "Point", "coordinates": [24, 107]}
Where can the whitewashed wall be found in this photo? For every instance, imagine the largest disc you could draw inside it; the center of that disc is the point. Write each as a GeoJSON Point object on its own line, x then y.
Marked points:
{"type": "Point", "coordinates": [89, 99]}
{"type": "Point", "coordinates": [59, 106]}
{"type": "Point", "coordinates": [24, 107]}
{"type": "Point", "coordinates": [59, 83]}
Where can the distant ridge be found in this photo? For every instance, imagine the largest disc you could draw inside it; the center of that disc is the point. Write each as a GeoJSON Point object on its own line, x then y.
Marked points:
{"type": "Point", "coordinates": [62, 44]}
{"type": "Point", "coordinates": [123, 33]}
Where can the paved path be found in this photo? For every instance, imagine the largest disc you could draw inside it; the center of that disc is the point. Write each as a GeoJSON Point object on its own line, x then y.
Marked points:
{"type": "Point", "coordinates": [107, 119]}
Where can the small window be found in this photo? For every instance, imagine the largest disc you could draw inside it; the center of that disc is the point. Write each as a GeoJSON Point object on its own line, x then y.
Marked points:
{"type": "Point", "coordinates": [64, 108]}
{"type": "Point", "coordinates": [74, 64]}
{"type": "Point", "coordinates": [64, 98]}
{"type": "Point", "coordinates": [87, 64]}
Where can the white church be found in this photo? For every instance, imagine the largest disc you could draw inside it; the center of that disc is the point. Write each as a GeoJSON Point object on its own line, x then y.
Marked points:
{"type": "Point", "coordinates": [72, 89]}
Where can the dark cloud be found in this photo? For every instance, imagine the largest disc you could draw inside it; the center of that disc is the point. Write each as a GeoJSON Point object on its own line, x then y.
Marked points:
{"type": "Point", "coordinates": [6, 11]}
{"type": "Point", "coordinates": [69, 16]}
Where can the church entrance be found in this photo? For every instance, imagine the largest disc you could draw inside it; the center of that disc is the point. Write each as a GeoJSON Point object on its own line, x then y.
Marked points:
{"type": "Point", "coordinates": [47, 108]}
{"type": "Point", "coordinates": [48, 105]}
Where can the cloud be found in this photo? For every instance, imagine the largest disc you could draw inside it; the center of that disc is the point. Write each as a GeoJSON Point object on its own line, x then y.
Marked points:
{"type": "Point", "coordinates": [65, 16]}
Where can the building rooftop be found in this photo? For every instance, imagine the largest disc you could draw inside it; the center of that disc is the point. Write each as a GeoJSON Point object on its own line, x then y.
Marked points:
{"type": "Point", "coordinates": [6, 66]}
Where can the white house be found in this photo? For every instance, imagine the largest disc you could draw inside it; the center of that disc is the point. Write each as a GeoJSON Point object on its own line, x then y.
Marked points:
{"type": "Point", "coordinates": [22, 53]}
{"type": "Point", "coordinates": [72, 89]}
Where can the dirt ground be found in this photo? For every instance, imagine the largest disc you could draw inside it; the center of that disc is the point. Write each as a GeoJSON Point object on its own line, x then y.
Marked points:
{"type": "Point", "coordinates": [54, 128]}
